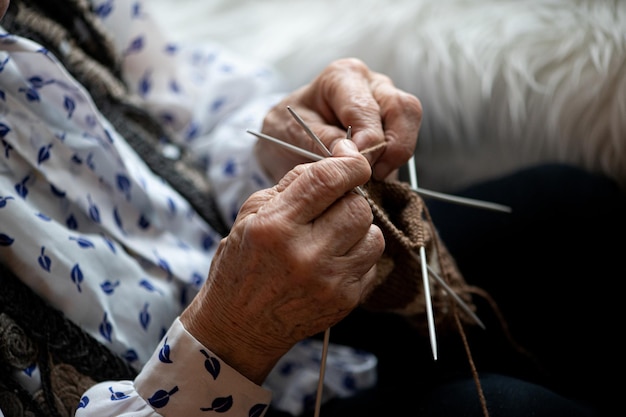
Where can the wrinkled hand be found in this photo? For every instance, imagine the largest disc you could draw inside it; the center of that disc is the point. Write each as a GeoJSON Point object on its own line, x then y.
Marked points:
{"type": "Point", "coordinates": [299, 258]}
{"type": "Point", "coordinates": [346, 93]}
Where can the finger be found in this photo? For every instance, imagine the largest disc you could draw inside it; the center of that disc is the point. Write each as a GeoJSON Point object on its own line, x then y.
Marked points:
{"type": "Point", "coordinates": [402, 116]}
{"type": "Point", "coordinates": [310, 189]}
{"type": "Point", "coordinates": [378, 112]}
{"type": "Point", "coordinates": [344, 224]}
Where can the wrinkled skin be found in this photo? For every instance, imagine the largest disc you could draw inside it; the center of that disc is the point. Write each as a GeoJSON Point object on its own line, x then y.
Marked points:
{"type": "Point", "coordinates": [346, 93]}
{"type": "Point", "coordinates": [299, 258]}
{"type": "Point", "coordinates": [302, 254]}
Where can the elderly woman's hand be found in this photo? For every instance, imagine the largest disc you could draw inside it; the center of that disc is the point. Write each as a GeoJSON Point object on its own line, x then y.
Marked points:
{"type": "Point", "coordinates": [299, 258]}
{"type": "Point", "coordinates": [346, 93]}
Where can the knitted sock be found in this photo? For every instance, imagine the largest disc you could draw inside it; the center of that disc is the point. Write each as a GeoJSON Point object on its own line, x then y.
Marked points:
{"type": "Point", "coordinates": [404, 219]}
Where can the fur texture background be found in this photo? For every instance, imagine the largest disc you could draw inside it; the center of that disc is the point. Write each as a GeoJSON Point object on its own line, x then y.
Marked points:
{"type": "Point", "coordinates": [503, 83]}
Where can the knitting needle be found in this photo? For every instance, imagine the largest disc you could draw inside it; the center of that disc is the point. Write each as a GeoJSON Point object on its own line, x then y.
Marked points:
{"type": "Point", "coordinates": [319, 142]}
{"type": "Point", "coordinates": [315, 157]}
{"type": "Point", "coordinates": [425, 280]}
{"type": "Point", "coordinates": [320, 381]}
{"type": "Point", "coordinates": [454, 295]}
{"type": "Point", "coordinates": [434, 194]}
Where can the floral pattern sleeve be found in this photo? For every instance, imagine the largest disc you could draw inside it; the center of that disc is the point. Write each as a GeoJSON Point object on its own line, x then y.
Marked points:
{"type": "Point", "coordinates": [164, 386]}
{"type": "Point", "coordinates": [205, 95]}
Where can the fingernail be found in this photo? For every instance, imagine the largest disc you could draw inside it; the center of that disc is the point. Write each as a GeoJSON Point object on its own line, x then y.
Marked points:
{"type": "Point", "coordinates": [351, 145]}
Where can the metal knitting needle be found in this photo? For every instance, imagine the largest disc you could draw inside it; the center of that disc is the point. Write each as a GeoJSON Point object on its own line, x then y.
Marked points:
{"type": "Point", "coordinates": [425, 280]}
{"type": "Point", "coordinates": [454, 295]}
{"type": "Point", "coordinates": [426, 284]}
{"type": "Point", "coordinates": [320, 381]}
{"type": "Point", "coordinates": [434, 194]}
{"type": "Point", "coordinates": [319, 142]}
{"type": "Point", "coordinates": [315, 157]}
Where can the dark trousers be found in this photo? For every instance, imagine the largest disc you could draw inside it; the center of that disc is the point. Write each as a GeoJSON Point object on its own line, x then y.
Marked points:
{"type": "Point", "coordinates": [554, 267]}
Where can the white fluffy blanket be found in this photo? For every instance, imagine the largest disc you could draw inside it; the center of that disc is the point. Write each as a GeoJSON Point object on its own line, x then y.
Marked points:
{"type": "Point", "coordinates": [503, 83]}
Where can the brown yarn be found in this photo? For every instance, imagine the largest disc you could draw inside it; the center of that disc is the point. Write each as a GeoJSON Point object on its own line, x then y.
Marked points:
{"type": "Point", "coordinates": [407, 226]}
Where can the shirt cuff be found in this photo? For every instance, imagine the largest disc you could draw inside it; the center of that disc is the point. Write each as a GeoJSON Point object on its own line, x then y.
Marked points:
{"type": "Point", "coordinates": [183, 378]}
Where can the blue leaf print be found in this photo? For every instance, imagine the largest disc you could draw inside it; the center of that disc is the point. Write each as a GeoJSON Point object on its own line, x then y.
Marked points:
{"type": "Point", "coordinates": [145, 85]}
{"type": "Point", "coordinates": [349, 382]}
{"type": "Point", "coordinates": [104, 9]}
{"type": "Point", "coordinates": [197, 280]}
{"type": "Point", "coordinates": [83, 402]}
{"type": "Point", "coordinates": [136, 10]}
{"type": "Point", "coordinates": [109, 244]}
{"type": "Point", "coordinates": [257, 410]}
{"type": "Point", "coordinates": [230, 168]}
{"type": "Point", "coordinates": [165, 266]}
{"type": "Point", "coordinates": [82, 242]}
{"type": "Point", "coordinates": [56, 191]}
{"type": "Point", "coordinates": [171, 48]}
{"type": "Point", "coordinates": [77, 159]}
{"type": "Point", "coordinates": [77, 276]}
{"type": "Point", "coordinates": [130, 356]}
{"type": "Point", "coordinates": [7, 148]}
{"type": "Point", "coordinates": [258, 180]}
{"type": "Point", "coordinates": [43, 217]}
{"type": "Point", "coordinates": [144, 317]}
{"type": "Point", "coordinates": [164, 353]}
{"type": "Point", "coordinates": [217, 104]}
{"type": "Point", "coordinates": [38, 82]}
{"type": "Point", "coordinates": [30, 369]}
{"type": "Point", "coordinates": [6, 240]}
{"type": "Point", "coordinates": [106, 328]}
{"type": "Point", "coordinates": [71, 222]}
{"type": "Point", "coordinates": [44, 261]}
{"type": "Point", "coordinates": [148, 285]}
{"type": "Point", "coordinates": [184, 297]}
{"type": "Point", "coordinates": [2, 93]}
{"type": "Point", "coordinates": [167, 118]}
{"type": "Point", "coordinates": [143, 222]}
{"type": "Point", "coordinates": [160, 398]}
{"type": "Point", "coordinates": [70, 106]}
{"type": "Point", "coordinates": [30, 93]}
{"type": "Point", "coordinates": [43, 154]}
{"type": "Point", "coordinates": [4, 201]}
{"type": "Point", "coordinates": [108, 135]}
{"type": "Point", "coordinates": [117, 395]}
{"type": "Point", "coordinates": [136, 45]}
{"type": "Point", "coordinates": [174, 87]}
{"type": "Point", "coordinates": [220, 405]}
{"type": "Point", "coordinates": [123, 184]}
{"type": "Point", "coordinates": [108, 287]}
{"type": "Point", "coordinates": [171, 205]}
{"type": "Point", "coordinates": [89, 162]}
{"type": "Point", "coordinates": [192, 131]}
{"type": "Point", "coordinates": [21, 188]}
{"type": "Point", "coordinates": [91, 120]}
{"type": "Point", "coordinates": [118, 219]}
{"type": "Point", "coordinates": [211, 364]}
{"type": "Point", "coordinates": [4, 129]}
{"type": "Point", "coordinates": [287, 368]}
{"type": "Point", "coordinates": [2, 65]}
{"type": "Point", "coordinates": [208, 242]}
{"type": "Point", "coordinates": [94, 213]}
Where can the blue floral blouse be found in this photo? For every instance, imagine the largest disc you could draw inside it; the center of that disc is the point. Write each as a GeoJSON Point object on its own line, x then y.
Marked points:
{"type": "Point", "coordinates": [91, 229]}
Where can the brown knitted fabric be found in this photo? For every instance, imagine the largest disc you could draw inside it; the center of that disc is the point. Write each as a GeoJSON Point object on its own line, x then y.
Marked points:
{"type": "Point", "coordinates": [403, 217]}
